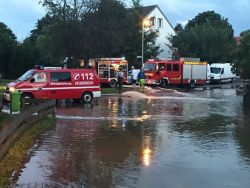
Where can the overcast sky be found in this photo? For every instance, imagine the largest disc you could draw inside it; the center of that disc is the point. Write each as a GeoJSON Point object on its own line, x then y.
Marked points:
{"type": "Point", "coordinates": [21, 15]}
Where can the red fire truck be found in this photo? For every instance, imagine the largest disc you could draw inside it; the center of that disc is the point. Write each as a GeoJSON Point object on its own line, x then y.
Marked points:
{"type": "Point", "coordinates": [107, 69]}
{"type": "Point", "coordinates": [56, 83]}
{"type": "Point", "coordinates": [186, 71]}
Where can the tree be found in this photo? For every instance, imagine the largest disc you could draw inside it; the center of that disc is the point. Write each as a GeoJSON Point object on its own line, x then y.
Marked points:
{"type": "Point", "coordinates": [93, 28]}
{"type": "Point", "coordinates": [132, 47]}
{"type": "Point", "coordinates": [7, 46]}
{"type": "Point", "coordinates": [27, 54]}
{"type": "Point", "coordinates": [242, 56]}
{"type": "Point", "coordinates": [151, 49]}
{"type": "Point", "coordinates": [134, 37]}
{"type": "Point", "coordinates": [178, 28]}
{"type": "Point", "coordinates": [208, 36]}
{"type": "Point", "coordinates": [106, 29]}
{"type": "Point", "coordinates": [64, 36]}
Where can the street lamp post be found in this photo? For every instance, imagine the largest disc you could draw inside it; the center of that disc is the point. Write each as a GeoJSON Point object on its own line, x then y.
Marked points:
{"type": "Point", "coordinates": [145, 23]}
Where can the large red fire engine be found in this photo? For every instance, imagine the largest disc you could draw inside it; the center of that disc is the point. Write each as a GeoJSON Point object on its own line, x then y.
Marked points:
{"type": "Point", "coordinates": [107, 69]}
{"type": "Point", "coordinates": [186, 71]}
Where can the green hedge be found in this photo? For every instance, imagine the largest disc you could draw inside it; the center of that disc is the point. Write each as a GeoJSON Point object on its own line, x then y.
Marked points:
{"type": "Point", "coordinates": [3, 83]}
{"type": "Point", "coordinates": [2, 87]}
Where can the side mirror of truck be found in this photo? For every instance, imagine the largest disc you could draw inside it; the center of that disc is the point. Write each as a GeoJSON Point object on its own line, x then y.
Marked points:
{"type": "Point", "coordinates": [32, 80]}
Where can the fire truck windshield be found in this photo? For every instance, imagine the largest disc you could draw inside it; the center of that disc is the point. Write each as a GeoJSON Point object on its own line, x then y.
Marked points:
{"type": "Point", "coordinates": [26, 75]}
{"type": "Point", "coordinates": [149, 66]}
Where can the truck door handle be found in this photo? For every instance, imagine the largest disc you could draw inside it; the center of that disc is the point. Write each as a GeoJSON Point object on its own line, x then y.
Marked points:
{"type": "Point", "coordinates": [40, 88]}
{"type": "Point", "coordinates": [53, 91]}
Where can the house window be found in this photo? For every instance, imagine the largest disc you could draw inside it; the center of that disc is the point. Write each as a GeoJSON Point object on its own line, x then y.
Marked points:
{"type": "Point", "coordinates": [152, 21]}
{"type": "Point", "coordinates": [160, 22]}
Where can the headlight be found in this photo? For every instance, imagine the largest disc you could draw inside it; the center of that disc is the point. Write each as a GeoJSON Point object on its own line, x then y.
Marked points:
{"type": "Point", "coordinates": [12, 89]}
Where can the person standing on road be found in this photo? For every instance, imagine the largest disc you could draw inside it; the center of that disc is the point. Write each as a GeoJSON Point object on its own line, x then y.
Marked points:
{"type": "Point", "coordinates": [141, 78]}
{"type": "Point", "coordinates": [134, 77]}
{"type": "Point", "coordinates": [120, 80]}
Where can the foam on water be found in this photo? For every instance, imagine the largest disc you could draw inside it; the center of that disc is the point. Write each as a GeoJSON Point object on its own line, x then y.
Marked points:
{"type": "Point", "coordinates": [144, 117]}
{"type": "Point", "coordinates": [135, 94]}
{"type": "Point", "coordinates": [138, 95]}
{"type": "Point", "coordinates": [184, 98]}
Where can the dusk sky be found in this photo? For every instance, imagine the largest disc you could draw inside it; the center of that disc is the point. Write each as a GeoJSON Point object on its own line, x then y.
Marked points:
{"type": "Point", "coordinates": [21, 15]}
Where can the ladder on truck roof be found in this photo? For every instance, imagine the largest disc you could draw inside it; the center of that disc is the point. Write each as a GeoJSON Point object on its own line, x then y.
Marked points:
{"type": "Point", "coordinates": [111, 59]}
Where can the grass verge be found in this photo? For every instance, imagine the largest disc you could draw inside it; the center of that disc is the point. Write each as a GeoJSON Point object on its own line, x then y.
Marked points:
{"type": "Point", "coordinates": [114, 90]}
{"type": "Point", "coordinates": [109, 90]}
{"type": "Point", "coordinates": [4, 118]}
{"type": "Point", "coordinates": [14, 159]}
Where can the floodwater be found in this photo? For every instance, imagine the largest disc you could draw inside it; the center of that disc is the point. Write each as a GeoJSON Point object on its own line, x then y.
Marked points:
{"type": "Point", "coordinates": [169, 140]}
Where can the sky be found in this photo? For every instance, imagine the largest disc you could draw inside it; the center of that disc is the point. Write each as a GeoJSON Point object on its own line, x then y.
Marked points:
{"type": "Point", "coordinates": [21, 15]}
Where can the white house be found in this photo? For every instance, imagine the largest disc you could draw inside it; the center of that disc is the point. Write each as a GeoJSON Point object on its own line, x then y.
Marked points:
{"type": "Point", "coordinates": [160, 22]}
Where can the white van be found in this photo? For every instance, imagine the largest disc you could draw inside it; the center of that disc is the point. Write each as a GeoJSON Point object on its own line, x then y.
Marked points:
{"type": "Point", "coordinates": [221, 72]}
{"type": "Point", "coordinates": [208, 74]}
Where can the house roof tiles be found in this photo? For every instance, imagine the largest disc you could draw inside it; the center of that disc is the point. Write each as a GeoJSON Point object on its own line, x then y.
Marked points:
{"type": "Point", "coordinates": [145, 11]}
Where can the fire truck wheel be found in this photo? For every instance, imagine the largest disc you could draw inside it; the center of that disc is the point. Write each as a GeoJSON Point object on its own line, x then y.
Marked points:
{"type": "Point", "coordinates": [112, 83]}
{"type": "Point", "coordinates": [87, 97]}
{"type": "Point", "coordinates": [191, 84]}
{"type": "Point", "coordinates": [26, 99]}
{"type": "Point", "coordinates": [163, 83]}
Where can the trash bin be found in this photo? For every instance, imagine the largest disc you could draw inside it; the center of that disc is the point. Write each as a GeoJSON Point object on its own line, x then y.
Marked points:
{"type": "Point", "coordinates": [15, 101]}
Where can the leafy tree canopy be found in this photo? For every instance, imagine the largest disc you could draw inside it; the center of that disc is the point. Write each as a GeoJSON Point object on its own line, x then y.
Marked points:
{"type": "Point", "coordinates": [7, 46]}
{"type": "Point", "coordinates": [242, 55]}
{"type": "Point", "coordinates": [92, 28]}
{"type": "Point", "coordinates": [208, 36]}
{"type": "Point", "coordinates": [78, 29]}
{"type": "Point", "coordinates": [178, 27]}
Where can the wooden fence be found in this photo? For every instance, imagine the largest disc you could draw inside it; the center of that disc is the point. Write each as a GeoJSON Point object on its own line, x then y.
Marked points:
{"type": "Point", "coordinates": [13, 130]}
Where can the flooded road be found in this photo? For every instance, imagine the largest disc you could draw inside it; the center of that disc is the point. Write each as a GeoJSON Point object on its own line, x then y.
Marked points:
{"type": "Point", "coordinates": [168, 140]}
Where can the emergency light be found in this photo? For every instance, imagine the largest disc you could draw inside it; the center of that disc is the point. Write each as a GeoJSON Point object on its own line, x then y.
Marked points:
{"type": "Point", "coordinates": [38, 67]}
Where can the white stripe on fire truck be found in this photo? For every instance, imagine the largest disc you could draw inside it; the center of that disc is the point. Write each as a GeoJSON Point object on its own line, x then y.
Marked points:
{"type": "Point", "coordinates": [59, 88]}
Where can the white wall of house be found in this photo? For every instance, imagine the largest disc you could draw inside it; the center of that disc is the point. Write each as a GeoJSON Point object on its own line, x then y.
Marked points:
{"type": "Point", "coordinates": [165, 30]}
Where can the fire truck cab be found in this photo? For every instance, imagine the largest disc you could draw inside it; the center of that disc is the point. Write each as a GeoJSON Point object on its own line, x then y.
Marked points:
{"type": "Point", "coordinates": [186, 71]}
{"type": "Point", "coordinates": [107, 69]}
{"type": "Point", "coordinates": [56, 83]}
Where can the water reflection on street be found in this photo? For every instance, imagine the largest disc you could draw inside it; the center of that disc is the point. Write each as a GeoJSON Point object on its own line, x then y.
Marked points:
{"type": "Point", "coordinates": [170, 139]}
